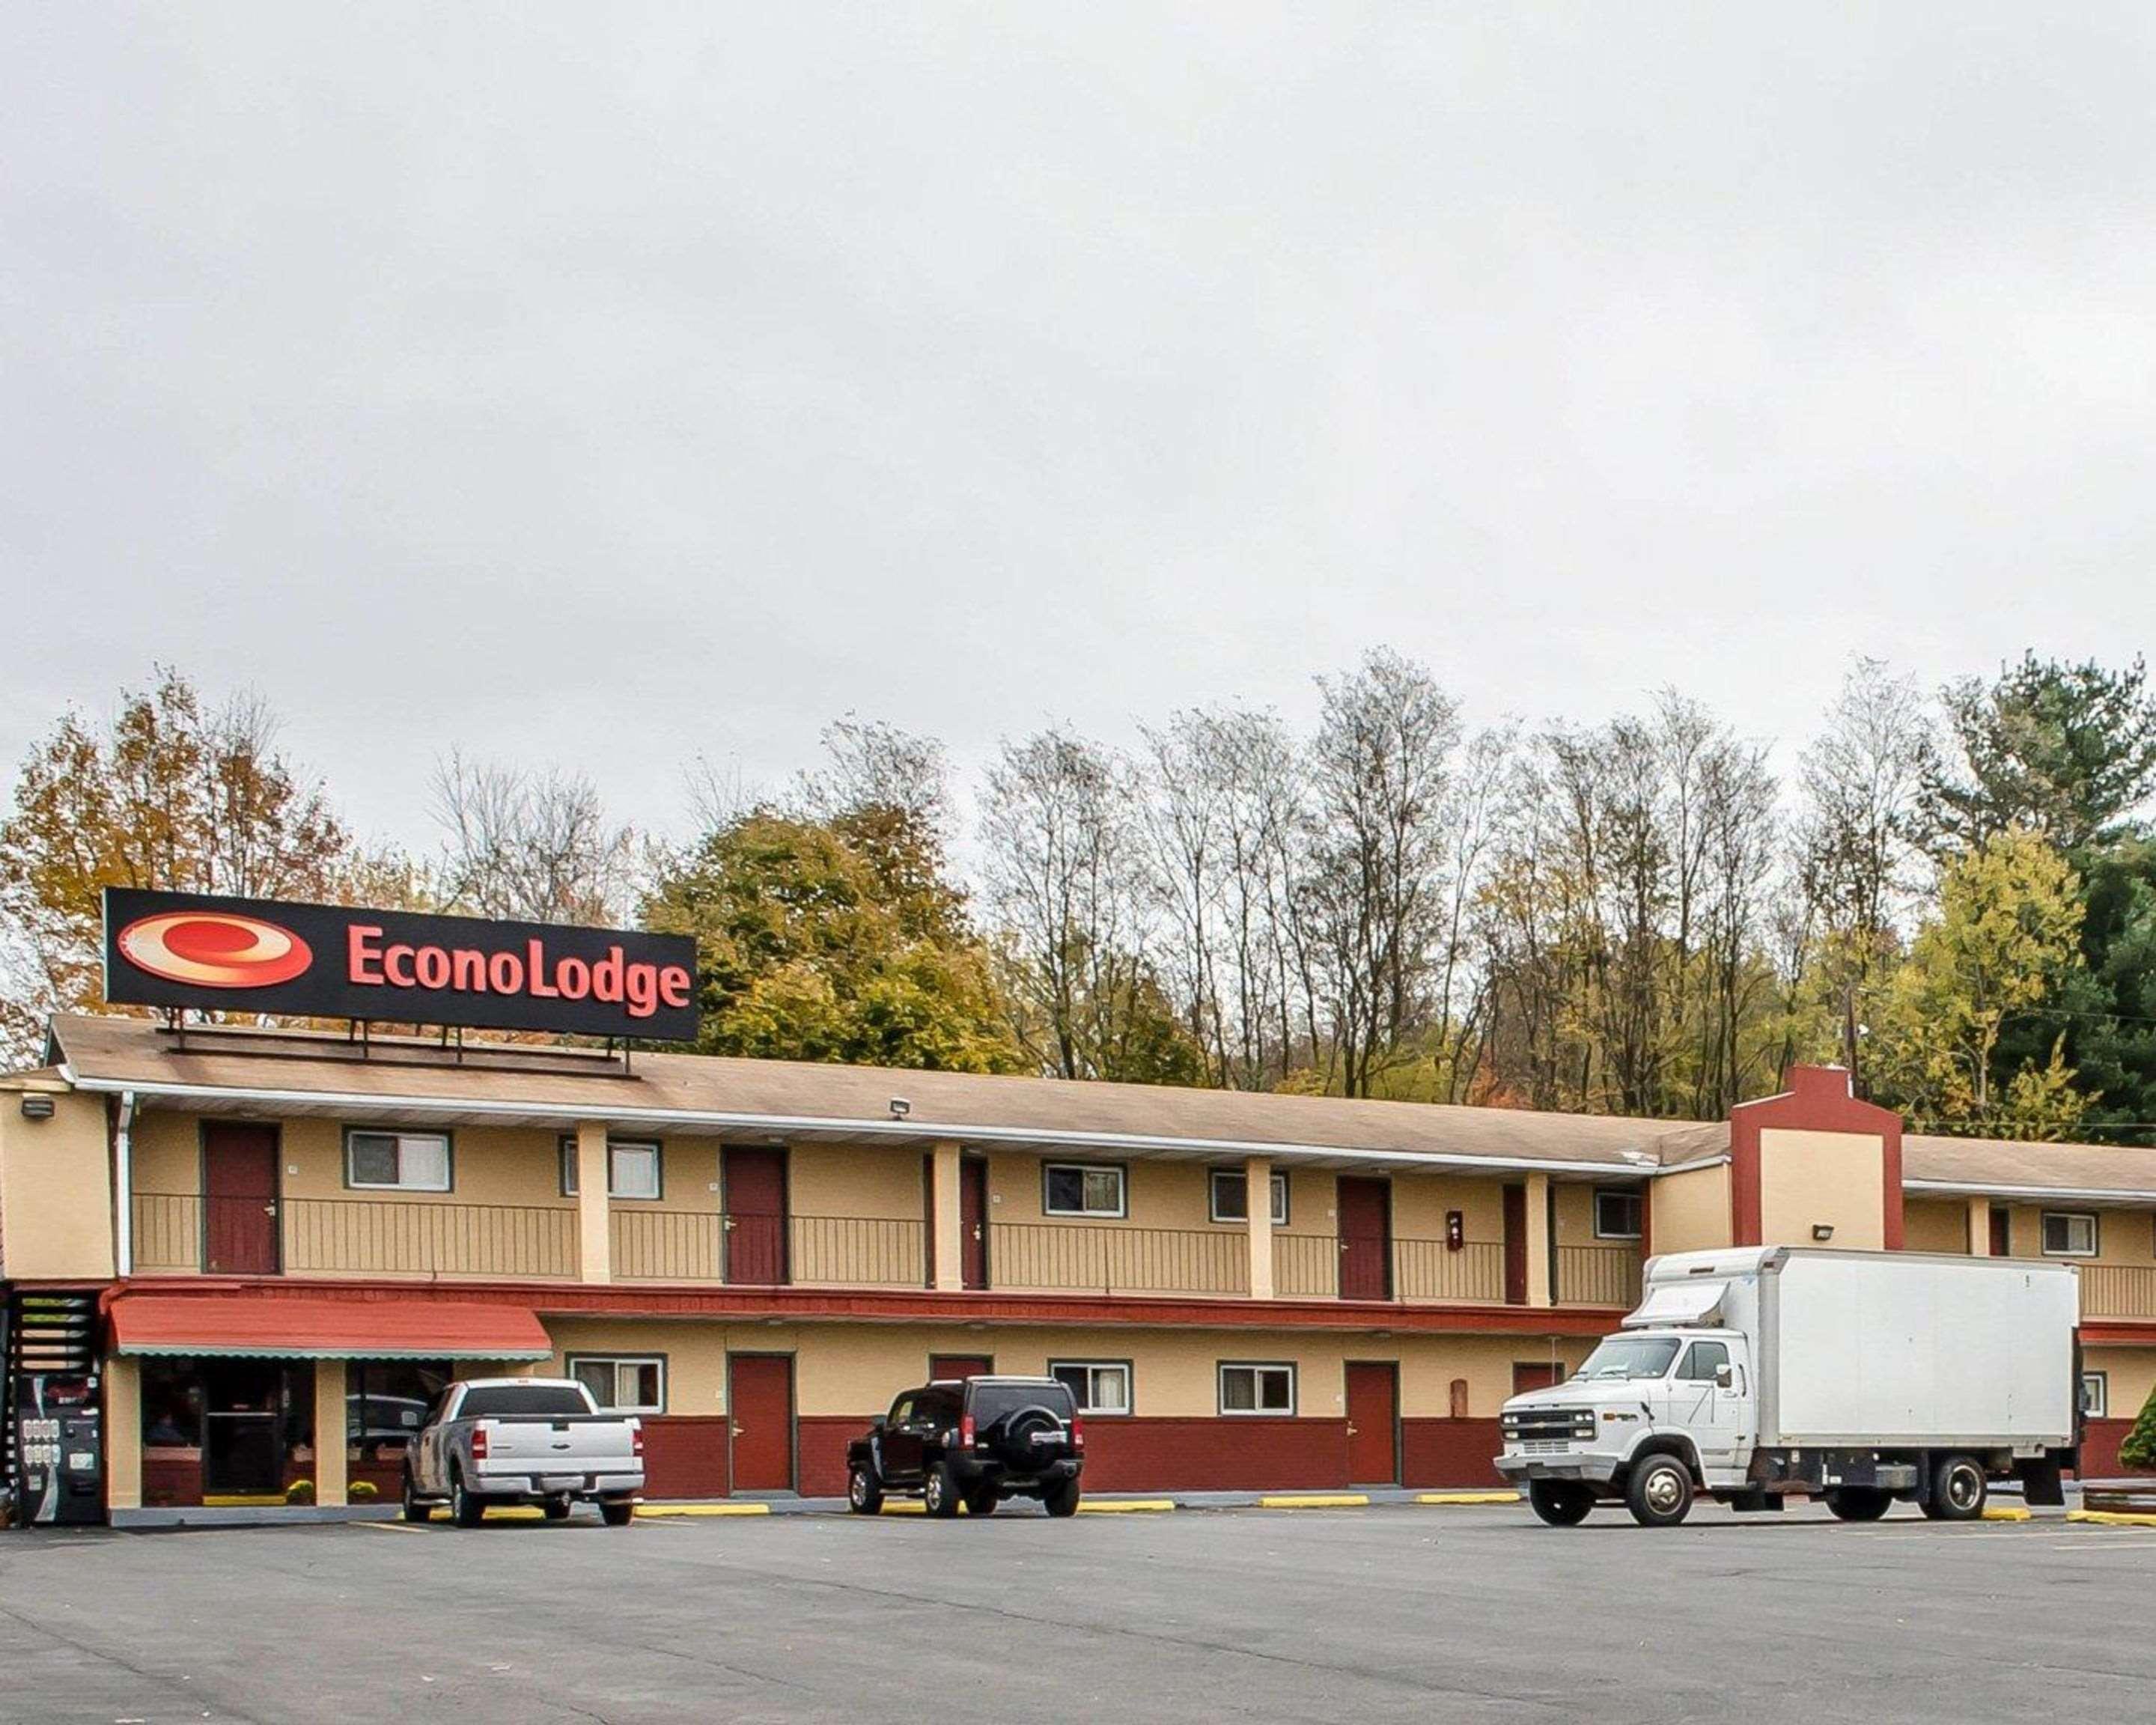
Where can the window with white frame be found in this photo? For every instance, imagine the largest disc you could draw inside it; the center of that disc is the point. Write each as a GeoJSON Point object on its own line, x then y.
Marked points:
{"type": "Point", "coordinates": [1082, 1188]}
{"type": "Point", "coordinates": [397, 1161]}
{"type": "Point", "coordinates": [1617, 1214]}
{"type": "Point", "coordinates": [1097, 1386]}
{"type": "Point", "coordinates": [2069, 1234]}
{"type": "Point", "coordinates": [1249, 1387]}
{"type": "Point", "coordinates": [2096, 1395]}
{"type": "Point", "coordinates": [633, 1169]}
{"type": "Point", "coordinates": [1231, 1197]}
{"type": "Point", "coordinates": [623, 1384]}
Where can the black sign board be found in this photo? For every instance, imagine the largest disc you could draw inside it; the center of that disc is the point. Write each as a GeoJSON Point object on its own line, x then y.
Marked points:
{"type": "Point", "coordinates": [330, 960]}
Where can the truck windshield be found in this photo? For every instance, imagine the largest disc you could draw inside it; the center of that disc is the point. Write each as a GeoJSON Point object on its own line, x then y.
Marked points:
{"type": "Point", "coordinates": [1631, 1357]}
{"type": "Point", "coordinates": [556, 1400]}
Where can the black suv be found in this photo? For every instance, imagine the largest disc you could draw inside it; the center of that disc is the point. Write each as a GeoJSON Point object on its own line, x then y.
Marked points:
{"type": "Point", "coordinates": [974, 1441]}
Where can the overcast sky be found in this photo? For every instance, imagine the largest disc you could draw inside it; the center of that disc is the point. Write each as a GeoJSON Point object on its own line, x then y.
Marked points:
{"type": "Point", "coordinates": [610, 385]}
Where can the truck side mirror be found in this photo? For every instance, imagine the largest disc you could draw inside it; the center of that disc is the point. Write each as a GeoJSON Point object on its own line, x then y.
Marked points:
{"type": "Point", "coordinates": [1725, 1377]}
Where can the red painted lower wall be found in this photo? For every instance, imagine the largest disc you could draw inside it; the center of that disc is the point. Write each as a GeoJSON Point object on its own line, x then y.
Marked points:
{"type": "Point", "coordinates": [2100, 1443]}
{"type": "Point", "coordinates": [821, 1443]}
{"type": "Point", "coordinates": [684, 1455]}
{"type": "Point", "coordinates": [1448, 1452]}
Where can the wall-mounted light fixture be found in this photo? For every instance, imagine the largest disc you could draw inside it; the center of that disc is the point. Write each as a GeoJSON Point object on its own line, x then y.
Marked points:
{"type": "Point", "coordinates": [1822, 1231]}
{"type": "Point", "coordinates": [900, 1108]}
{"type": "Point", "coordinates": [1455, 1230]}
{"type": "Point", "coordinates": [37, 1106]}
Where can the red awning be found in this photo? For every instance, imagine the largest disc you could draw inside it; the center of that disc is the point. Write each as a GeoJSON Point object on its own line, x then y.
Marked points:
{"type": "Point", "coordinates": [284, 1326]}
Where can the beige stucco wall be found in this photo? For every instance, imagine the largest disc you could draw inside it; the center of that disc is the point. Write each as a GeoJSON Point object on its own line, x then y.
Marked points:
{"type": "Point", "coordinates": [1810, 1178]}
{"type": "Point", "coordinates": [854, 1370]}
{"type": "Point", "coordinates": [855, 1180]}
{"type": "Point", "coordinates": [2131, 1375]}
{"type": "Point", "coordinates": [1933, 1225]}
{"type": "Point", "coordinates": [56, 1190]}
{"type": "Point", "coordinates": [2123, 1236]}
{"type": "Point", "coordinates": [1690, 1210]}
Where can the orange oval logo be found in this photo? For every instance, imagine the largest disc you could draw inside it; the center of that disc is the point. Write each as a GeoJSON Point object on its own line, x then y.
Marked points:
{"type": "Point", "coordinates": [214, 949]}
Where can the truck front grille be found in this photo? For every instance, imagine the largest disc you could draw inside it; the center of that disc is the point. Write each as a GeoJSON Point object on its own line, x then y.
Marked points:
{"type": "Point", "coordinates": [1560, 1426]}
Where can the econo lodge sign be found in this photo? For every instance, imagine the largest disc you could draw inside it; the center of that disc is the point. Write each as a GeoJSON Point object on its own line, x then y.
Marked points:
{"type": "Point", "coordinates": [330, 960]}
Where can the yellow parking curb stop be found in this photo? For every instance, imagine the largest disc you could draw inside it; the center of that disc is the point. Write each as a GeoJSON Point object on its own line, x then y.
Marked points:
{"type": "Point", "coordinates": [1317, 1500]}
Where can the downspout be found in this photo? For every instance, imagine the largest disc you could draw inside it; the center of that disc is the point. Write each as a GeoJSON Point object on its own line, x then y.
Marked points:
{"type": "Point", "coordinates": [123, 1182]}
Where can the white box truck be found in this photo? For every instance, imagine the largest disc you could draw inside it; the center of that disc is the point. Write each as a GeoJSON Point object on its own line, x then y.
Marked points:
{"type": "Point", "coordinates": [1760, 1373]}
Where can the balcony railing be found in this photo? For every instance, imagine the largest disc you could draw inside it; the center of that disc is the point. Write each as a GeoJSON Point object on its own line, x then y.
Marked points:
{"type": "Point", "coordinates": [1117, 1261]}
{"type": "Point", "coordinates": [1596, 1276]}
{"type": "Point", "coordinates": [1329, 1266]}
{"type": "Point", "coordinates": [178, 1232]}
{"type": "Point", "coordinates": [768, 1250]}
{"type": "Point", "coordinates": [2118, 1290]}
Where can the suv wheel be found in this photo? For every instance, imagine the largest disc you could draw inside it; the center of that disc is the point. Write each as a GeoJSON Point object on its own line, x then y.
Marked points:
{"type": "Point", "coordinates": [1061, 1498]}
{"type": "Point", "coordinates": [940, 1495]}
{"type": "Point", "coordinates": [982, 1502]}
{"type": "Point", "coordinates": [864, 1495]}
{"type": "Point", "coordinates": [1659, 1494]}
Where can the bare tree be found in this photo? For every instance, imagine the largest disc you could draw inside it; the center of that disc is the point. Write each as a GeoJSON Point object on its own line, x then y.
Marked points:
{"type": "Point", "coordinates": [533, 845]}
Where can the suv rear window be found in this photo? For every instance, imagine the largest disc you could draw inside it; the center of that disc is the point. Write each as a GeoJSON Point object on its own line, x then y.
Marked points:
{"type": "Point", "coordinates": [991, 1401]}
{"type": "Point", "coordinates": [558, 1400]}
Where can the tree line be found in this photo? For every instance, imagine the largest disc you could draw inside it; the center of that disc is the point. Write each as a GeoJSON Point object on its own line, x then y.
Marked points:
{"type": "Point", "coordinates": [1954, 892]}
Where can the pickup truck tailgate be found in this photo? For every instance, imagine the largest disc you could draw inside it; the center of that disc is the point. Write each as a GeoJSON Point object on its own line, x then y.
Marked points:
{"type": "Point", "coordinates": [580, 1444]}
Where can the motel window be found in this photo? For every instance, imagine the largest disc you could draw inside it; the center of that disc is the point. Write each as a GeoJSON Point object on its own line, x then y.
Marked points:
{"type": "Point", "coordinates": [1231, 1197]}
{"type": "Point", "coordinates": [1078, 1189]}
{"type": "Point", "coordinates": [1617, 1215]}
{"type": "Point", "coordinates": [1249, 1389]}
{"type": "Point", "coordinates": [623, 1384]}
{"type": "Point", "coordinates": [407, 1162]}
{"type": "Point", "coordinates": [1097, 1386]}
{"type": "Point", "coordinates": [2069, 1234]}
{"type": "Point", "coordinates": [633, 1168]}
{"type": "Point", "coordinates": [2096, 1395]}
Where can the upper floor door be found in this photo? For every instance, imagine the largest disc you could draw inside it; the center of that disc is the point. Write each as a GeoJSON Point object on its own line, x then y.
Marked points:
{"type": "Point", "coordinates": [240, 1199]}
{"type": "Point", "coordinates": [973, 1221]}
{"type": "Point", "coordinates": [1365, 1209]}
{"type": "Point", "coordinates": [752, 1182]}
{"type": "Point", "coordinates": [1515, 1245]}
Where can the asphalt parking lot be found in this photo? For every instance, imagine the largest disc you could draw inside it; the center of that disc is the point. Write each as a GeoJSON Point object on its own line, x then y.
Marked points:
{"type": "Point", "coordinates": [1378, 1614]}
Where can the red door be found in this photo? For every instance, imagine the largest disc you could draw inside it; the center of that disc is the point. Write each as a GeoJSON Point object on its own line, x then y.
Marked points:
{"type": "Point", "coordinates": [973, 1221]}
{"type": "Point", "coordinates": [959, 1365]}
{"type": "Point", "coordinates": [753, 1183]}
{"type": "Point", "coordinates": [1535, 1375]}
{"type": "Point", "coordinates": [760, 1406]}
{"type": "Point", "coordinates": [1515, 1245]}
{"type": "Point", "coordinates": [239, 1199]}
{"type": "Point", "coordinates": [1366, 1239]}
{"type": "Point", "coordinates": [1373, 1454]}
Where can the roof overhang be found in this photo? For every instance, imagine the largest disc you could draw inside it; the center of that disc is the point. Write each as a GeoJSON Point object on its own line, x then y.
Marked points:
{"type": "Point", "coordinates": [2072, 1195]}
{"type": "Point", "coordinates": [274, 1327]}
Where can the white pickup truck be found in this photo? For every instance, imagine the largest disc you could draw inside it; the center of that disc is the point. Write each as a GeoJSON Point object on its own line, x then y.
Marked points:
{"type": "Point", "coordinates": [499, 1440]}
{"type": "Point", "coordinates": [1759, 1374]}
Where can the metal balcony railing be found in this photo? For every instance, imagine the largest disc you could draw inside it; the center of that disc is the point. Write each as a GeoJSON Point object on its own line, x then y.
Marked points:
{"type": "Point", "coordinates": [2118, 1290]}
{"type": "Point", "coordinates": [1596, 1276]}
{"type": "Point", "coordinates": [402, 1237]}
{"type": "Point", "coordinates": [767, 1250]}
{"type": "Point", "coordinates": [1332, 1266]}
{"type": "Point", "coordinates": [1051, 1256]}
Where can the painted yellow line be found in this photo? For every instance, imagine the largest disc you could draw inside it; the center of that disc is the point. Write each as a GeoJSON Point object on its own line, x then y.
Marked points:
{"type": "Point", "coordinates": [655, 1510]}
{"type": "Point", "coordinates": [1467, 1498]}
{"type": "Point", "coordinates": [392, 1527]}
{"type": "Point", "coordinates": [2112, 1518]}
{"type": "Point", "coordinates": [1123, 1506]}
{"type": "Point", "coordinates": [1995, 1512]}
{"type": "Point", "coordinates": [1317, 1500]}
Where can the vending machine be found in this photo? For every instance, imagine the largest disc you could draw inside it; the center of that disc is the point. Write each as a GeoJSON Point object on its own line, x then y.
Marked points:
{"type": "Point", "coordinates": [56, 1420]}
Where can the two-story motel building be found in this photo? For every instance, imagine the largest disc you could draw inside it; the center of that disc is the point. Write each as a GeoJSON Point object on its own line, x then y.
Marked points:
{"type": "Point", "coordinates": [282, 1243]}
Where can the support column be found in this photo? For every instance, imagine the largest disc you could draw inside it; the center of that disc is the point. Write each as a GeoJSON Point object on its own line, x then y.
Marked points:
{"type": "Point", "coordinates": [946, 1218]}
{"type": "Point", "coordinates": [123, 1432]}
{"type": "Point", "coordinates": [1538, 1239]}
{"type": "Point", "coordinates": [1257, 1206]}
{"type": "Point", "coordinates": [330, 1478]}
{"type": "Point", "coordinates": [1980, 1227]}
{"type": "Point", "coordinates": [594, 1239]}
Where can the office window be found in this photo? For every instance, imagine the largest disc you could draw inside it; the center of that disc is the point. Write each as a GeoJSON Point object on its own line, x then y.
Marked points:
{"type": "Point", "coordinates": [1097, 1386]}
{"type": "Point", "coordinates": [1080, 1189]}
{"type": "Point", "coordinates": [2069, 1234]}
{"type": "Point", "coordinates": [633, 1169]}
{"type": "Point", "coordinates": [634, 1383]}
{"type": "Point", "coordinates": [1231, 1193]}
{"type": "Point", "coordinates": [407, 1162]}
{"type": "Point", "coordinates": [1256, 1389]}
{"type": "Point", "coordinates": [2096, 1395]}
{"type": "Point", "coordinates": [1617, 1215]}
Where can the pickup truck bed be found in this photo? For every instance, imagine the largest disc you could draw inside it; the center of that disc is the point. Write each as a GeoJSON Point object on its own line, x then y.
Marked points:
{"type": "Point", "coordinates": [523, 1440]}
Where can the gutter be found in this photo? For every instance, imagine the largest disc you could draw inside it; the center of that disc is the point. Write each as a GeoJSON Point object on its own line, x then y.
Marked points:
{"type": "Point", "coordinates": [908, 1130]}
{"type": "Point", "coordinates": [1978, 1188]}
{"type": "Point", "coordinates": [123, 1184]}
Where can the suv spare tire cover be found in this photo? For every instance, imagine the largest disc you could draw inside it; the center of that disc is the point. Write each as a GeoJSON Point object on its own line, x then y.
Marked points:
{"type": "Point", "coordinates": [1012, 1436]}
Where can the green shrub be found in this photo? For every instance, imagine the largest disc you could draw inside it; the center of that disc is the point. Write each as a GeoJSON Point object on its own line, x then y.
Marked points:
{"type": "Point", "coordinates": [2139, 1449]}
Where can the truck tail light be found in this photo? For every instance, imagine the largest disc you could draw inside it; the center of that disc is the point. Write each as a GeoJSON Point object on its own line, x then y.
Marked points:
{"type": "Point", "coordinates": [1077, 1433]}
{"type": "Point", "coordinates": [966, 1432]}
{"type": "Point", "coordinates": [636, 1440]}
{"type": "Point", "coordinates": [479, 1443]}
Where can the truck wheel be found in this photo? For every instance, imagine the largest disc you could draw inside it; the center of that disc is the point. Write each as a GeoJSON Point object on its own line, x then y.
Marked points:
{"type": "Point", "coordinates": [1562, 1503]}
{"type": "Point", "coordinates": [555, 1509]}
{"type": "Point", "coordinates": [617, 1511]}
{"type": "Point", "coordinates": [1959, 1490]}
{"type": "Point", "coordinates": [982, 1503]}
{"type": "Point", "coordinates": [466, 1510]}
{"type": "Point", "coordinates": [939, 1496]}
{"type": "Point", "coordinates": [414, 1509]}
{"type": "Point", "coordinates": [1061, 1499]}
{"type": "Point", "coordinates": [864, 1495]}
{"type": "Point", "coordinates": [1659, 1494]}
{"type": "Point", "coordinates": [1858, 1504]}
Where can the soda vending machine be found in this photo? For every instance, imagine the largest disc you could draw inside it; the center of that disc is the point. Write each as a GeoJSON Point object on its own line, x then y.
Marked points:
{"type": "Point", "coordinates": [58, 1425]}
